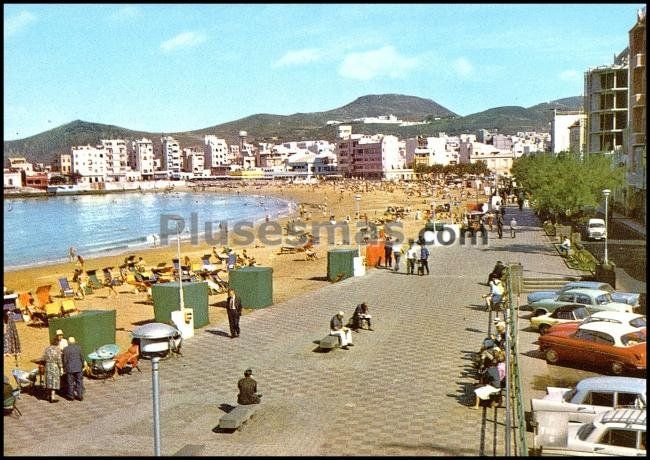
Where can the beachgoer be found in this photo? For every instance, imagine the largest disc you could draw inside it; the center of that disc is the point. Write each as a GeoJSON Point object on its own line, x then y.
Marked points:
{"type": "Point", "coordinates": [565, 247]}
{"type": "Point", "coordinates": [412, 254]}
{"type": "Point", "coordinates": [337, 328]}
{"type": "Point", "coordinates": [11, 339]}
{"type": "Point", "coordinates": [397, 253]}
{"type": "Point", "coordinates": [233, 308]}
{"type": "Point", "coordinates": [388, 252]}
{"type": "Point", "coordinates": [73, 364]}
{"type": "Point", "coordinates": [72, 252]}
{"type": "Point", "coordinates": [53, 369]}
{"type": "Point", "coordinates": [127, 360]}
{"type": "Point", "coordinates": [248, 389]}
{"type": "Point", "coordinates": [424, 259]}
{"type": "Point", "coordinates": [513, 227]}
{"type": "Point", "coordinates": [60, 340]}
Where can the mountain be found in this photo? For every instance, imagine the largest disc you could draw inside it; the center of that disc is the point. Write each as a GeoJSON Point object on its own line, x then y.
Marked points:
{"type": "Point", "coordinates": [46, 146]}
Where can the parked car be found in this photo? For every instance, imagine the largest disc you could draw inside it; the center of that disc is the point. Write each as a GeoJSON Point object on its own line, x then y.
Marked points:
{"type": "Point", "coordinates": [619, 432]}
{"type": "Point", "coordinates": [630, 298]}
{"type": "Point", "coordinates": [590, 397]}
{"type": "Point", "coordinates": [633, 319]}
{"type": "Point", "coordinates": [573, 312]}
{"type": "Point", "coordinates": [619, 347]}
{"type": "Point", "coordinates": [595, 299]}
{"type": "Point", "coordinates": [596, 229]}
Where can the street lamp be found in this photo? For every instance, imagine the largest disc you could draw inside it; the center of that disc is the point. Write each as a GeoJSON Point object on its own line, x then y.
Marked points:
{"type": "Point", "coordinates": [155, 342]}
{"type": "Point", "coordinates": [606, 193]}
{"type": "Point", "coordinates": [357, 199]}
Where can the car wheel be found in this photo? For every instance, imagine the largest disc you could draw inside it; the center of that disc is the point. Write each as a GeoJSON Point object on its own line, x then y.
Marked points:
{"type": "Point", "coordinates": [539, 312]}
{"type": "Point", "coordinates": [543, 328]}
{"type": "Point", "coordinates": [617, 368]}
{"type": "Point", "coordinates": [551, 356]}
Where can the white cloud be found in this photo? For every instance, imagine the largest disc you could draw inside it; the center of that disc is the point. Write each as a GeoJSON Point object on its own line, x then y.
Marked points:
{"type": "Point", "coordinates": [18, 22]}
{"type": "Point", "coordinates": [126, 13]}
{"type": "Point", "coordinates": [570, 75]}
{"type": "Point", "coordinates": [382, 62]}
{"type": "Point", "coordinates": [463, 67]}
{"type": "Point", "coordinates": [297, 57]}
{"type": "Point", "coordinates": [183, 40]}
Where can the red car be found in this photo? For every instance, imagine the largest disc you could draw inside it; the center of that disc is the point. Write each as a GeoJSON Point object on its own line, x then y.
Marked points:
{"type": "Point", "coordinates": [618, 347]}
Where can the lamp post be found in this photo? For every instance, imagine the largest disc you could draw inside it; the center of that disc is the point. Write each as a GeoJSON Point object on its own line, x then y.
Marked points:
{"type": "Point", "coordinates": [606, 193]}
{"type": "Point", "coordinates": [155, 343]}
{"type": "Point", "coordinates": [357, 199]}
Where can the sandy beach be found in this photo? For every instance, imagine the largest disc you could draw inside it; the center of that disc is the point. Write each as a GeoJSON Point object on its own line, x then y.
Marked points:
{"type": "Point", "coordinates": [292, 273]}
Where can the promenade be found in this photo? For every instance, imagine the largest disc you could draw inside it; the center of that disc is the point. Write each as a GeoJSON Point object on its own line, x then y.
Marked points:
{"type": "Point", "coordinates": [403, 389]}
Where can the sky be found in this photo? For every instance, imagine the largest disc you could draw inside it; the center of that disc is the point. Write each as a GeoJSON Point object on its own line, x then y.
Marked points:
{"type": "Point", "coordinates": [178, 67]}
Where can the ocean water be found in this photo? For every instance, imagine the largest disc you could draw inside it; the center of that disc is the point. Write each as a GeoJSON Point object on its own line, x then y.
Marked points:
{"type": "Point", "coordinates": [41, 230]}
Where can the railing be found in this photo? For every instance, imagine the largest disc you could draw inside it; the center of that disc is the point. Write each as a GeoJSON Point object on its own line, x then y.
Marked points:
{"type": "Point", "coordinates": [515, 418]}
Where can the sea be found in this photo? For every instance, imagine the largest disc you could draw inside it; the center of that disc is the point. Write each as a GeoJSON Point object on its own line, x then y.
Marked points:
{"type": "Point", "coordinates": [40, 231]}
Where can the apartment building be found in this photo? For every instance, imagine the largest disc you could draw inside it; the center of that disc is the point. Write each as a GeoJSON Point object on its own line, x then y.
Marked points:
{"type": "Point", "coordinates": [193, 161]}
{"type": "Point", "coordinates": [141, 157]}
{"type": "Point", "coordinates": [170, 155]}
{"type": "Point", "coordinates": [636, 148]}
{"type": "Point", "coordinates": [577, 136]}
{"type": "Point", "coordinates": [20, 163]}
{"type": "Point", "coordinates": [368, 156]}
{"type": "Point", "coordinates": [431, 150]}
{"type": "Point", "coordinates": [497, 161]}
{"type": "Point", "coordinates": [89, 162]}
{"type": "Point", "coordinates": [117, 159]}
{"type": "Point", "coordinates": [606, 104]}
{"type": "Point", "coordinates": [63, 164]}
{"type": "Point", "coordinates": [560, 124]}
{"type": "Point", "coordinates": [215, 152]}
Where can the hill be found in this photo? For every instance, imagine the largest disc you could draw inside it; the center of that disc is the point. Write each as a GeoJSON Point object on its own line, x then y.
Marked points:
{"type": "Point", "coordinates": [46, 146]}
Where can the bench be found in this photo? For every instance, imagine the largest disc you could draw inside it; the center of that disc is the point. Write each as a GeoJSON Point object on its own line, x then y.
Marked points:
{"type": "Point", "coordinates": [329, 341]}
{"type": "Point", "coordinates": [236, 417]}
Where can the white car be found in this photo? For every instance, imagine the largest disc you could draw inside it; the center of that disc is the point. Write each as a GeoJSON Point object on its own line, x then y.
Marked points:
{"type": "Point", "coordinates": [633, 319]}
{"type": "Point", "coordinates": [596, 229]}
{"type": "Point", "coordinates": [619, 432]}
{"type": "Point", "coordinates": [590, 397]}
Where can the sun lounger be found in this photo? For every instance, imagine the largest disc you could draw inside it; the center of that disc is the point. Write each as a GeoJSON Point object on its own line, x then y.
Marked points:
{"type": "Point", "coordinates": [53, 309]}
{"type": "Point", "coordinates": [43, 295]}
{"type": "Point", "coordinates": [68, 307]}
{"type": "Point", "coordinates": [66, 290]}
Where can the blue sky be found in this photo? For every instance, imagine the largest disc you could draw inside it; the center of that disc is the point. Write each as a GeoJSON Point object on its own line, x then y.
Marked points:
{"type": "Point", "coordinates": [173, 67]}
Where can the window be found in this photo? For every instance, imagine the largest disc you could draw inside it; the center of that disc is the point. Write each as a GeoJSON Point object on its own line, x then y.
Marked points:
{"type": "Point", "coordinates": [619, 437]}
{"type": "Point", "coordinates": [627, 400]}
{"type": "Point", "coordinates": [600, 398]}
{"type": "Point", "coordinates": [565, 298]}
{"type": "Point", "coordinates": [583, 299]}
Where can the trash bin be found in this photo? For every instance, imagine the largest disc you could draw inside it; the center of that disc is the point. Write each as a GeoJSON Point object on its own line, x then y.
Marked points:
{"type": "Point", "coordinates": [340, 261]}
{"type": "Point", "coordinates": [374, 253]}
{"type": "Point", "coordinates": [91, 329]}
{"type": "Point", "coordinates": [166, 298]}
{"type": "Point", "coordinates": [254, 285]}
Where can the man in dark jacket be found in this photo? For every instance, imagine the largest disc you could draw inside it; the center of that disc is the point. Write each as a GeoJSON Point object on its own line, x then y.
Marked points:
{"type": "Point", "coordinates": [233, 308]}
{"type": "Point", "coordinates": [73, 365]}
{"type": "Point", "coordinates": [248, 389]}
{"type": "Point", "coordinates": [388, 253]}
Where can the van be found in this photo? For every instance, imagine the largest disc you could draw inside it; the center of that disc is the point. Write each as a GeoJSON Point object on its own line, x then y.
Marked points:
{"type": "Point", "coordinates": [596, 229]}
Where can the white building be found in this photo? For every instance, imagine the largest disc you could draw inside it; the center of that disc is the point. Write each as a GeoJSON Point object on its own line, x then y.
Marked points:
{"type": "Point", "coordinates": [90, 163]}
{"type": "Point", "coordinates": [560, 133]}
{"type": "Point", "coordinates": [497, 161]}
{"type": "Point", "coordinates": [193, 161]}
{"type": "Point", "coordinates": [141, 157]}
{"type": "Point", "coordinates": [431, 150]}
{"type": "Point", "coordinates": [170, 156]}
{"type": "Point", "coordinates": [12, 178]}
{"type": "Point", "coordinates": [116, 155]}
{"type": "Point", "coordinates": [366, 156]}
{"type": "Point", "coordinates": [20, 163]}
{"type": "Point", "coordinates": [215, 152]}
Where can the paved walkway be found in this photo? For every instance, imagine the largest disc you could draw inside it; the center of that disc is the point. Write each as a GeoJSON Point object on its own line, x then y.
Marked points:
{"type": "Point", "coordinates": [401, 390]}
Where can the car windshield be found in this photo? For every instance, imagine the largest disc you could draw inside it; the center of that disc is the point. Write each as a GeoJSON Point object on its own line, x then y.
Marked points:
{"type": "Point", "coordinates": [581, 313]}
{"type": "Point", "coordinates": [633, 338]}
{"type": "Point", "coordinates": [638, 322]}
{"type": "Point", "coordinates": [585, 430]}
{"type": "Point", "coordinates": [596, 225]}
{"type": "Point", "coordinates": [603, 299]}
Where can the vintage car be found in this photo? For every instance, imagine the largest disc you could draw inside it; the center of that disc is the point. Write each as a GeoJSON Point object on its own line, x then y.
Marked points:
{"type": "Point", "coordinates": [622, 297]}
{"type": "Point", "coordinates": [619, 432]}
{"type": "Point", "coordinates": [596, 229]}
{"type": "Point", "coordinates": [619, 347]}
{"type": "Point", "coordinates": [595, 299]}
{"type": "Point", "coordinates": [573, 312]}
{"type": "Point", "coordinates": [590, 397]}
{"type": "Point", "coordinates": [633, 319]}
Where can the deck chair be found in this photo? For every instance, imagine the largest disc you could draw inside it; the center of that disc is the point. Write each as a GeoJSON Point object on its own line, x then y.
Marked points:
{"type": "Point", "coordinates": [66, 290]}
{"type": "Point", "coordinates": [182, 270]}
{"type": "Point", "coordinates": [25, 380]}
{"type": "Point", "coordinates": [53, 309]}
{"type": "Point", "coordinates": [68, 307]}
{"type": "Point", "coordinates": [138, 286]}
{"type": "Point", "coordinates": [10, 401]}
{"type": "Point", "coordinates": [43, 295]}
{"type": "Point", "coordinates": [93, 281]}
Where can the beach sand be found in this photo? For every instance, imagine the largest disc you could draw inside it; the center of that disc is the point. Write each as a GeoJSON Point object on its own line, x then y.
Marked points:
{"type": "Point", "coordinates": [292, 274]}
